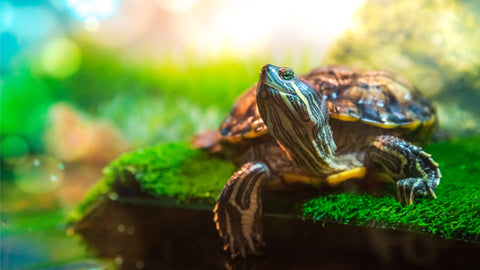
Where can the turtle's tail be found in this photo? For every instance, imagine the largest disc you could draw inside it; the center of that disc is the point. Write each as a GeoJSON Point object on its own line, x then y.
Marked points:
{"type": "Point", "coordinates": [208, 141]}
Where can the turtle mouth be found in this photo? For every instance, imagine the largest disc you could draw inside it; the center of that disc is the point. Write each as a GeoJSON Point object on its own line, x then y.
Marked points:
{"type": "Point", "coordinates": [263, 90]}
{"type": "Point", "coordinates": [266, 68]}
{"type": "Point", "coordinates": [263, 76]}
{"type": "Point", "coordinates": [267, 92]}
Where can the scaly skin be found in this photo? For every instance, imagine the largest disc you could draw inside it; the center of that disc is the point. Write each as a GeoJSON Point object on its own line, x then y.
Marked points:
{"type": "Point", "coordinates": [239, 209]}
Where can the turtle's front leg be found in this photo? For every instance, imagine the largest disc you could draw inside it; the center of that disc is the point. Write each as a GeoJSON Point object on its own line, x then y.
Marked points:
{"type": "Point", "coordinates": [414, 170]}
{"type": "Point", "coordinates": [239, 209]}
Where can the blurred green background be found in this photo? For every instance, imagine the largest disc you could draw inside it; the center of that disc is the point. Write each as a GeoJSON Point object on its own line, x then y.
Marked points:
{"type": "Point", "coordinates": [85, 80]}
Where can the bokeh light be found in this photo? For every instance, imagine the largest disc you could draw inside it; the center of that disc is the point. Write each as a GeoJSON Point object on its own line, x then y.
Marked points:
{"type": "Point", "coordinates": [61, 57]}
{"type": "Point", "coordinates": [83, 9]}
{"type": "Point", "coordinates": [29, 23]}
{"type": "Point", "coordinates": [7, 15]}
{"type": "Point", "coordinates": [92, 24]}
{"type": "Point", "coordinates": [39, 174]}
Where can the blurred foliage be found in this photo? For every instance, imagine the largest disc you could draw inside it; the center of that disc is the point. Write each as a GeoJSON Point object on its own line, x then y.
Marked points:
{"type": "Point", "coordinates": [105, 73]}
{"type": "Point", "coordinates": [434, 44]}
{"type": "Point", "coordinates": [145, 121]}
{"type": "Point", "coordinates": [24, 105]}
{"type": "Point", "coordinates": [149, 101]}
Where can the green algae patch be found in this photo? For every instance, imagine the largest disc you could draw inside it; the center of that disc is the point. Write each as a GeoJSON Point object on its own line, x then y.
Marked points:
{"type": "Point", "coordinates": [172, 173]}
{"type": "Point", "coordinates": [455, 214]}
{"type": "Point", "coordinates": [176, 175]}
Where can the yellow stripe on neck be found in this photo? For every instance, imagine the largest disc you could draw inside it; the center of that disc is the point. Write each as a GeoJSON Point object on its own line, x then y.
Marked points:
{"type": "Point", "coordinates": [302, 97]}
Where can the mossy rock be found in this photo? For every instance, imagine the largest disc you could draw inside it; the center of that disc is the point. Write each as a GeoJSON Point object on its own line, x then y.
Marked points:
{"type": "Point", "coordinates": [174, 174]}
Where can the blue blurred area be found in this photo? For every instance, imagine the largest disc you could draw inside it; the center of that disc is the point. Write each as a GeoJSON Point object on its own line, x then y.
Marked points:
{"type": "Point", "coordinates": [100, 9]}
{"type": "Point", "coordinates": [28, 29]}
{"type": "Point", "coordinates": [25, 26]}
{"type": "Point", "coordinates": [20, 253]}
{"type": "Point", "coordinates": [9, 46]}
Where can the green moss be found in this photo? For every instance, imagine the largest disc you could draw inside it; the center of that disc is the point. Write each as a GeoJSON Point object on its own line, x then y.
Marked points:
{"type": "Point", "coordinates": [100, 190]}
{"type": "Point", "coordinates": [174, 171]}
{"type": "Point", "coordinates": [455, 214]}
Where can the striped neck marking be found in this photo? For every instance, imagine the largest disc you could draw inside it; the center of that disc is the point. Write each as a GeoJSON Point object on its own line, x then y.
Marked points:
{"type": "Point", "coordinates": [298, 119]}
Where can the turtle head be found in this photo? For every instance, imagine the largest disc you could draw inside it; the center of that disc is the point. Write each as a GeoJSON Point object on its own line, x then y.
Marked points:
{"type": "Point", "coordinates": [279, 89]}
{"type": "Point", "coordinates": [296, 117]}
{"type": "Point", "coordinates": [282, 96]}
{"type": "Point", "coordinates": [279, 81]}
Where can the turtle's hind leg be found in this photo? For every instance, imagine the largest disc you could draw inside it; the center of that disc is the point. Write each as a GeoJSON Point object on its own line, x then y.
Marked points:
{"type": "Point", "coordinates": [239, 209]}
{"type": "Point", "coordinates": [414, 170]}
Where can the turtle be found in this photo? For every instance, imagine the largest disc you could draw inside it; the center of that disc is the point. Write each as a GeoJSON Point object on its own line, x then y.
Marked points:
{"type": "Point", "coordinates": [319, 129]}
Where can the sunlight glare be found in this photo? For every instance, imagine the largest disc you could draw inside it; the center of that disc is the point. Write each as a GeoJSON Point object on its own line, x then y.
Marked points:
{"type": "Point", "coordinates": [248, 25]}
{"type": "Point", "coordinates": [101, 9]}
{"type": "Point", "coordinates": [177, 5]}
{"type": "Point", "coordinates": [92, 24]}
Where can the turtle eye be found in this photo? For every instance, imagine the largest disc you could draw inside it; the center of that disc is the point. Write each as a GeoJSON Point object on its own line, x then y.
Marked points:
{"type": "Point", "coordinates": [286, 74]}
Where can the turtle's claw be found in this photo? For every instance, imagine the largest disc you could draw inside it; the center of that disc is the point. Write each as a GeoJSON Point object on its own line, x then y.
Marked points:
{"type": "Point", "coordinates": [245, 245]}
{"type": "Point", "coordinates": [410, 188]}
{"type": "Point", "coordinates": [243, 254]}
{"type": "Point", "coordinates": [258, 240]}
{"type": "Point", "coordinates": [431, 192]}
{"type": "Point", "coordinates": [242, 250]}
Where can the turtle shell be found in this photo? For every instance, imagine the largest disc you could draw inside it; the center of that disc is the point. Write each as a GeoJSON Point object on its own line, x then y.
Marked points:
{"type": "Point", "coordinates": [376, 98]}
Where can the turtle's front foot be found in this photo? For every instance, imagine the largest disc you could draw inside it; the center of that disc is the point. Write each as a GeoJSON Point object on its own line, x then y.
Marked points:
{"type": "Point", "coordinates": [240, 233]}
{"type": "Point", "coordinates": [239, 209]}
{"type": "Point", "coordinates": [414, 170]}
{"type": "Point", "coordinates": [410, 188]}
